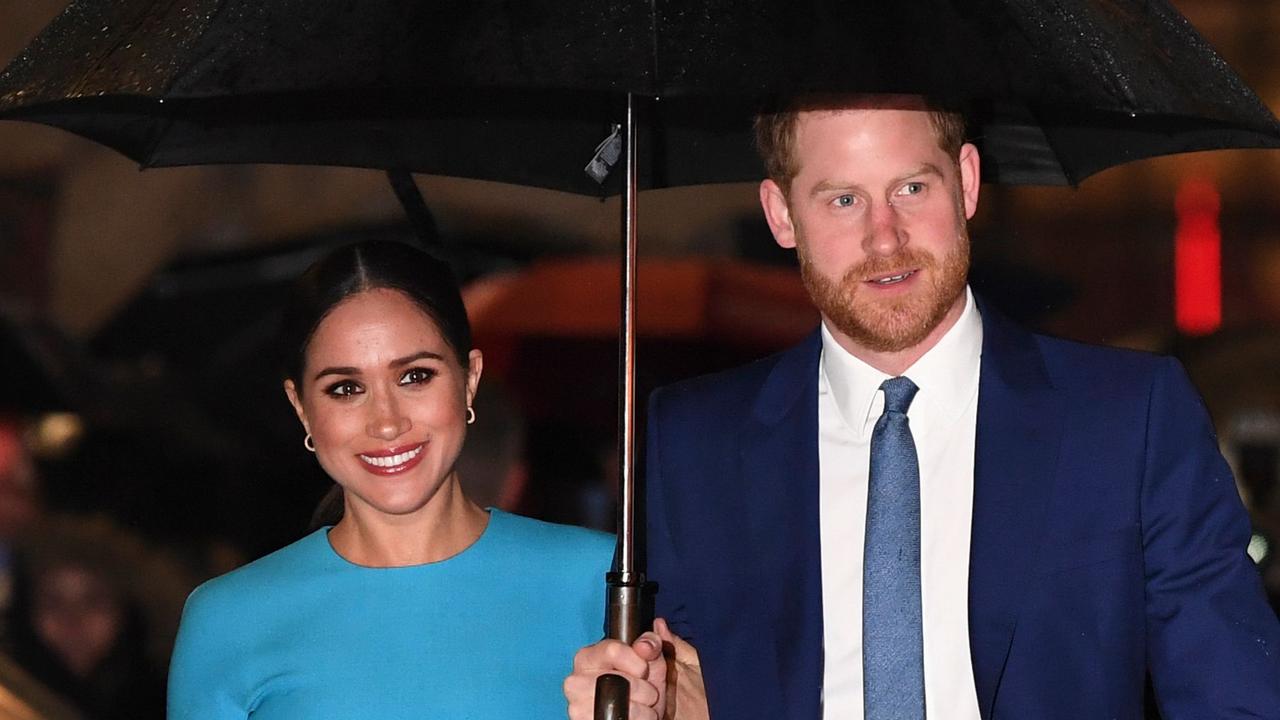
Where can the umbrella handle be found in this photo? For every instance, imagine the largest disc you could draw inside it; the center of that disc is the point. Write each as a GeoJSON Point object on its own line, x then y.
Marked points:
{"type": "Point", "coordinates": [613, 698]}
{"type": "Point", "coordinates": [629, 612]}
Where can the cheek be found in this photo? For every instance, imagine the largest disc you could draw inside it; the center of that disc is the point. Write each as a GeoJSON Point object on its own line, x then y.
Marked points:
{"type": "Point", "coordinates": [333, 433]}
{"type": "Point", "coordinates": [832, 250]}
{"type": "Point", "coordinates": [446, 410]}
{"type": "Point", "coordinates": [330, 422]}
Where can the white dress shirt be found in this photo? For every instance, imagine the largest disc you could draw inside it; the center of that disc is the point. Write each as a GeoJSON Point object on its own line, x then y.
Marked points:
{"type": "Point", "coordinates": [943, 420]}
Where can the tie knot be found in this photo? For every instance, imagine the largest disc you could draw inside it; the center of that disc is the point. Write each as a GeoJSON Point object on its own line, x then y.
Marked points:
{"type": "Point", "coordinates": [898, 393]}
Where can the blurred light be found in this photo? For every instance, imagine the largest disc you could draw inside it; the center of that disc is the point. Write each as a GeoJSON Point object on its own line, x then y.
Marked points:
{"type": "Point", "coordinates": [1259, 548]}
{"type": "Point", "coordinates": [1198, 259]}
{"type": "Point", "coordinates": [56, 434]}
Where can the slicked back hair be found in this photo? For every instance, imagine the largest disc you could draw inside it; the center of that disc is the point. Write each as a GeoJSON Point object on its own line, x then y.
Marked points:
{"type": "Point", "coordinates": [427, 281]}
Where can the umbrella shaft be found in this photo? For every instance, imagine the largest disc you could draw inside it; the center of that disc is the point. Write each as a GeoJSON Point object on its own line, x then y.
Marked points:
{"type": "Point", "coordinates": [627, 356]}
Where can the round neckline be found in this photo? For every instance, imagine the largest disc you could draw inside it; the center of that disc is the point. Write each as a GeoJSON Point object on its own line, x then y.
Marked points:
{"type": "Point", "coordinates": [332, 552]}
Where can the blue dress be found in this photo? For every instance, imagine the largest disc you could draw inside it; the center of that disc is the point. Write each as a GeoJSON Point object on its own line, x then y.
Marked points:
{"type": "Point", "coordinates": [302, 633]}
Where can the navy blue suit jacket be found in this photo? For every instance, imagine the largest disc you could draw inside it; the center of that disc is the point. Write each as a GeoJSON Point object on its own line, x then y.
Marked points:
{"type": "Point", "coordinates": [1108, 538]}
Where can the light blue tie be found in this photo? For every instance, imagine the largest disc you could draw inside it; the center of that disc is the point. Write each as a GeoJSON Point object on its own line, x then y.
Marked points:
{"type": "Point", "coordinates": [892, 638]}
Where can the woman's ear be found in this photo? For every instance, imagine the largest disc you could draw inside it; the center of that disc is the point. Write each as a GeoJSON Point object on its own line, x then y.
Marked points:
{"type": "Point", "coordinates": [291, 392]}
{"type": "Point", "coordinates": [474, 371]}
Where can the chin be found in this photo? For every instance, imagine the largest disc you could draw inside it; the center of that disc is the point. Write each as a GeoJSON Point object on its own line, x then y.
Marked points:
{"type": "Point", "coordinates": [396, 506]}
{"type": "Point", "coordinates": [399, 502]}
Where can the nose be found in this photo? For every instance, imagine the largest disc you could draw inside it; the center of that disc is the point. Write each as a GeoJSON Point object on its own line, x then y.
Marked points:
{"type": "Point", "coordinates": [885, 233]}
{"type": "Point", "coordinates": [386, 419]}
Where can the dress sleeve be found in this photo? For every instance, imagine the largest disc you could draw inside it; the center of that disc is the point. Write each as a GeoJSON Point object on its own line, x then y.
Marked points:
{"type": "Point", "coordinates": [201, 672]}
{"type": "Point", "coordinates": [1213, 642]}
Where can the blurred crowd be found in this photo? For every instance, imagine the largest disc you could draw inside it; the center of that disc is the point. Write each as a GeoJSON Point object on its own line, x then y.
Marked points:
{"type": "Point", "coordinates": [89, 608]}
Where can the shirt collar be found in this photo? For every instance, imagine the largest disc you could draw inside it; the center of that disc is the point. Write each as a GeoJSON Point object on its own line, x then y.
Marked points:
{"type": "Point", "coordinates": [947, 375]}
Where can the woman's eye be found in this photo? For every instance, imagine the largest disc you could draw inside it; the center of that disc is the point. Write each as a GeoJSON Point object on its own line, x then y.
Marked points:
{"type": "Point", "coordinates": [345, 388]}
{"type": "Point", "coordinates": [417, 376]}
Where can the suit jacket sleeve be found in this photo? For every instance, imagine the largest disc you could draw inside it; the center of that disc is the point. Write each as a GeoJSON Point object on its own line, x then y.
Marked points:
{"type": "Point", "coordinates": [663, 564]}
{"type": "Point", "coordinates": [1213, 642]}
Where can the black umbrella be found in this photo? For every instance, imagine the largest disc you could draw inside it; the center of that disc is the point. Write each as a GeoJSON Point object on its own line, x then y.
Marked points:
{"type": "Point", "coordinates": [525, 91]}
{"type": "Point", "coordinates": [531, 92]}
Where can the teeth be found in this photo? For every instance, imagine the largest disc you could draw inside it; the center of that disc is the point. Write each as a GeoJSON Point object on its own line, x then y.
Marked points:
{"type": "Point", "coordinates": [392, 460]}
{"type": "Point", "coordinates": [894, 279]}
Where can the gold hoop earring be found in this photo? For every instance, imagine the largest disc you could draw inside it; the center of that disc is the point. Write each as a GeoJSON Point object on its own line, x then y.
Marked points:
{"type": "Point", "coordinates": [309, 443]}
{"type": "Point", "coordinates": [471, 415]}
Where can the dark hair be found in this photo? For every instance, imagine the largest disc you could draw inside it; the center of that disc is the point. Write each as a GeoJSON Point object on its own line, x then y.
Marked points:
{"type": "Point", "coordinates": [353, 269]}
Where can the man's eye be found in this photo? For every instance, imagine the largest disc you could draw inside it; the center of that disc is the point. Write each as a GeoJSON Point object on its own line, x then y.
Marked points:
{"type": "Point", "coordinates": [912, 188]}
{"type": "Point", "coordinates": [417, 376]}
{"type": "Point", "coordinates": [345, 388]}
{"type": "Point", "coordinates": [844, 201]}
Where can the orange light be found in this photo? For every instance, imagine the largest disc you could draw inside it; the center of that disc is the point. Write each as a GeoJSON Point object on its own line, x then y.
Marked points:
{"type": "Point", "coordinates": [1198, 259]}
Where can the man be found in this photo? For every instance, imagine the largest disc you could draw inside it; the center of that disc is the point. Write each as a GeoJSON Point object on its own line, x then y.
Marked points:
{"type": "Point", "coordinates": [923, 510]}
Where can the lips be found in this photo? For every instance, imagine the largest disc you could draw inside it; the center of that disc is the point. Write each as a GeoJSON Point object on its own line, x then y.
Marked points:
{"type": "Point", "coordinates": [392, 460]}
{"type": "Point", "coordinates": [891, 279]}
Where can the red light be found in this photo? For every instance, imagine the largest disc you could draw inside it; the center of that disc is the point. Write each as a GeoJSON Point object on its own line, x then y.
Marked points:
{"type": "Point", "coordinates": [1198, 259]}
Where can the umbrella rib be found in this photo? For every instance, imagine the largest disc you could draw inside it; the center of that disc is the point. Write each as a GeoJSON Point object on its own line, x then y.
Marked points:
{"type": "Point", "coordinates": [78, 89]}
{"type": "Point", "coordinates": [1068, 172]}
{"type": "Point", "coordinates": [166, 119]}
{"type": "Point", "coordinates": [98, 62]}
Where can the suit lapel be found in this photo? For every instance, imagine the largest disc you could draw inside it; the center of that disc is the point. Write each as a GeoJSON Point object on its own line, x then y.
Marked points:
{"type": "Point", "coordinates": [1018, 437]}
{"type": "Point", "coordinates": [779, 456]}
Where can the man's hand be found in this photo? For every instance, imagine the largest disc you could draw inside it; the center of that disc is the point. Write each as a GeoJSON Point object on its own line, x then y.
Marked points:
{"type": "Point", "coordinates": [686, 695]}
{"type": "Point", "coordinates": [641, 663]}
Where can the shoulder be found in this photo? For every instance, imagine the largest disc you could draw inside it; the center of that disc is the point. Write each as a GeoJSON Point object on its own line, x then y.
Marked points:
{"type": "Point", "coordinates": [1132, 388]}
{"type": "Point", "coordinates": [1107, 368]}
{"type": "Point", "coordinates": [550, 540]}
{"type": "Point", "coordinates": [551, 560]}
{"type": "Point", "coordinates": [1019, 355]}
{"type": "Point", "coordinates": [228, 618]}
{"type": "Point", "coordinates": [259, 580]}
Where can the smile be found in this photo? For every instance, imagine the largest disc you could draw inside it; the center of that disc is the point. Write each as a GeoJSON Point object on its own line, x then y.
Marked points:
{"type": "Point", "coordinates": [393, 463]}
{"type": "Point", "coordinates": [892, 279]}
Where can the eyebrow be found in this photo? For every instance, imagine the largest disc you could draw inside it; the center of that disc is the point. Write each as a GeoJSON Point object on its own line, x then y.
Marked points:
{"type": "Point", "coordinates": [924, 169]}
{"type": "Point", "coordinates": [398, 362]}
{"type": "Point", "coordinates": [927, 168]}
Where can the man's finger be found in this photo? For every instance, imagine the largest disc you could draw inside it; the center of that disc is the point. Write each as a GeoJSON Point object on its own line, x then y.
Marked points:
{"type": "Point", "coordinates": [642, 712]}
{"type": "Point", "coordinates": [684, 653]}
{"type": "Point", "coordinates": [648, 646]}
{"type": "Point", "coordinates": [580, 690]}
{"type": "Point", "coordinates": [609, 656]}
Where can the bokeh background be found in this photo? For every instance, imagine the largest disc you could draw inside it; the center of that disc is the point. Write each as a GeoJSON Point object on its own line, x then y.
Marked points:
{"type": "Point", "coordinates": [145, 443]}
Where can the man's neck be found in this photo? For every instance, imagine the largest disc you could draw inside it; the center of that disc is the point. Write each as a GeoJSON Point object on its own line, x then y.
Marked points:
{"type": "Point", "coordinates": [896, 362]}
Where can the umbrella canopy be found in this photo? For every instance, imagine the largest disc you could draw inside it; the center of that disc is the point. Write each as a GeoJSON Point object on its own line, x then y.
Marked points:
{"type": "Point", "coordinates": [524, 92]}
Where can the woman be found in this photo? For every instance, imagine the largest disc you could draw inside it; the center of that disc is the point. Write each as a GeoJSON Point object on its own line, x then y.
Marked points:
{"type": "Point", "coordinates": [417, 603]}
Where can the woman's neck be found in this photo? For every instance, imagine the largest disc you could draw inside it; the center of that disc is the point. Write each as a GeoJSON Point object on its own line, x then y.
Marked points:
{"type": "Point", "coordinates": [442, 528]}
